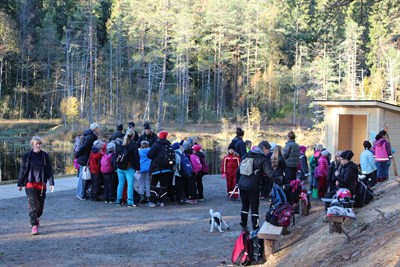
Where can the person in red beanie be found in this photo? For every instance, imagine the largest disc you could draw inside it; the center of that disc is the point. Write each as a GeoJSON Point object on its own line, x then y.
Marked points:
{"type": "Point", "coordinates": [163, 160]}
{"type": "Point", "coordinates": [229, 166]}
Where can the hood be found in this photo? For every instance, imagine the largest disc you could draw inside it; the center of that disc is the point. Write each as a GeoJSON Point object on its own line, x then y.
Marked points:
{"type": "Point", "coordinates": [163, 142]}
{"type": "Point", "coordinates": [88, 132]}
{"type": "Point", "coordinates": [254, 154]}
{"type": "Point", "coordinates": [95, 149]}
{"type": "Point", "coordinates": [352, 165]}
{"type": "Point", "coordinates": [380, 142]}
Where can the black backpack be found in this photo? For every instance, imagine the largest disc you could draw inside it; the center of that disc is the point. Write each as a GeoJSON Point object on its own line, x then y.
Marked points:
{"type": "Point", "coordinates": [167, 157]}
{"type": "Point", "coordinates": [121, 159]}
{"type": "Point", "coordinates": [363, 196]}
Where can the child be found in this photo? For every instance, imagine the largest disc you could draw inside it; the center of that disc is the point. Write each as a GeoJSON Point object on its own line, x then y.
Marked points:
{"type": "Point", "coordinates": [199, 176]}
{"type": "Point", "coordinates": [229, 166]}
{"type": "Point", "coordinates": [248, 145]}
{"type": "Point", "coordinates": [95, 171]}
{"type": "Point", "coordinates": [322, 171]}
{"type": "Point", "coordinates": [144, 181]}
{"type": "Point", "coordinates": [108, 169]}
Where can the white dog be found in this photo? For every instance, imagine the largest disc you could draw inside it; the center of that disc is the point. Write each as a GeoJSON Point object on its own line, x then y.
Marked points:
{"type": "Point", "coordinates": [217, 221]}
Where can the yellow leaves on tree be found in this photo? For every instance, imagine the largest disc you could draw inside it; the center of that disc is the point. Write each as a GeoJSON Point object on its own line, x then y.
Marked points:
{"type": "Point", "coordinates": [70, 108]}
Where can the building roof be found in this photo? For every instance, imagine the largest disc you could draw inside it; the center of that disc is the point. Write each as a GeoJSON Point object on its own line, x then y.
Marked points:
{"type": "Point", "coordinates": [358, 104]}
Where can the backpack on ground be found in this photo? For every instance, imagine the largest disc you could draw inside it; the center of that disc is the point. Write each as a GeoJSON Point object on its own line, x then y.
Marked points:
{"type": "Point", "coordinates": [196, 163]}
{"type": "Point", "coordinates": [258, 246]}
{"type": "Point", "coordinates": [205, 169]}
{"type": "Point", "coordinates": [246, 166]}
{"type": "Point", "coordinates": [106, 164]}
{"type": "Point", "coordinates": [363, 196]}
{"type": "Point", "coordinates": [167, 157]}
{"type": "Point", "coordinates": [293, 191]}
{"type": "Point", "coordinates": [186, 169]}
{"type": "Point", "coordinates": [121, 160]}
{"type": "Point", "coordinates": [278, 196]}
{"type": "Point", "coordinates": [281, 216]}
{"type": "Point", "coordinates": [243, 250]}
{"type": "Point", "coordinates": [78, 143]}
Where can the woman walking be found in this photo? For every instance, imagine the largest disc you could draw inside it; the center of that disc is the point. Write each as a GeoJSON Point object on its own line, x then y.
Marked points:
{"type": "Point", "coordinates": [34, 173]}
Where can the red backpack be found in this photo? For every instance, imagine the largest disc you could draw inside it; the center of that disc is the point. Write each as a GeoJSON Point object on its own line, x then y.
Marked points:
{"type": "Point", "coordinates": [243, 251]}
{"type": "Point", "coordinates": [107, 164]}
{"type": "Point", "coordinates": [196, 163]}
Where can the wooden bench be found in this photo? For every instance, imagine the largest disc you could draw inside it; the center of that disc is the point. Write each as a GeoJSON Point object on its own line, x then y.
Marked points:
{"type": "Point", "coordinates": [270, 233]}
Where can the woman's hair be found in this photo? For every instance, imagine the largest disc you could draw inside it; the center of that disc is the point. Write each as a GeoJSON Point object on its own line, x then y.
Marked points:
{"type": "Point", "coordinates": [36, 139]}
{"type": "Point", "coordinates": [367, 144]}
{"type": "Point", "coordinates": [239, 131]}
{"type": "Point", "coordinates": [127, 138]}
{"type": "Point", "coordinates": [275, 156]}
{"type": "Point", "coordinates": [291, 135]}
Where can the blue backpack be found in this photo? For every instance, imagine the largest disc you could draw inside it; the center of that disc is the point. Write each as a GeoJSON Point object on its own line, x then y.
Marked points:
{"type": "Point", "coordinates": [186, 169]}
{"type": "Point", "coordinates": [278, 196]}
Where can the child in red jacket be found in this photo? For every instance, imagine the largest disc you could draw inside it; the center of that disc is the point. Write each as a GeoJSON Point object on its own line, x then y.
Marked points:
{"type": "Point", "coordinates": [229, 166]}
{"type": "Point", "coordinates": [95, 169]}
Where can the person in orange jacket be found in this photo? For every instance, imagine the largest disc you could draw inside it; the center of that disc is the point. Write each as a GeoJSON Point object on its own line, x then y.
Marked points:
{"type": "Point", "coordinates": [229, 166]}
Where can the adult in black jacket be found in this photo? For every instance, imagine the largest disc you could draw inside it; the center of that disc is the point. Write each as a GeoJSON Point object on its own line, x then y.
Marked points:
{"type": "Point", "coordinates": [131, 125]}
{"type": "Point", "coordinates": [82, 157]}
{"type": "Point", "coordinates": [291, 153]}
{"type": "Point", "coordinates": [118, 133]}
{"type": "Point", "coordinates": [347, 176]}
{"type": "Point", "coordinates": [126, 174]}
{"type": "Point", "coordinates": [160, 173]}
{"type": "Point", "coordinates": [148, 135]}
{"type": "Point", "coordinates": [240, 145]}
{"type": "Point", "coordinates": [250, 185]}
{"type": "Point", "coordinates": [34, 173]}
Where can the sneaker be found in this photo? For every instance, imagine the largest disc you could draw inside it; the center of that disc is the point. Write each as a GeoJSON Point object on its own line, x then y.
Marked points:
{"type": "Point", "coordinates": [81, 198]}
{"type": "Point", "coordinates": [200, 200]}
{"type": "Point", "coordinates": [35, 230]}
{"type": "Point", "coordinates": [118, 204]}
{"type": "Point", "coordinates": [191, 201]}
{"type": "Point", "coordinates": [162, 204]}
{"type": "Point", "coordinates": [182, 202]}
{"type": "Point", "coordinates": [106, 201]}
{"type": "Point", "coordinates": [150, 204]}
{"type": "Point", "coordinates": [133, 205]}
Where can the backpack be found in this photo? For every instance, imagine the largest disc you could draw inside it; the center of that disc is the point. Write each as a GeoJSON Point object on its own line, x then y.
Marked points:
{"type": "Point", "coordinates": [246, 166]}
{"type": "Point", "coordinates": [205, 169]}
{"type": "Point", "coordinates": [121, 160]}
{"type": "Point", "coordinates": [243, 250]}
{"type": "Point", "coordinates": [106, 164]}
{"type": "Point", "coordinates": [278, 196]}
{"type": "Point", "coordinates": [258, 245]}
{"type": "Point", "coordinates": [293, 191]}
{"type": "Point", "coordinates": [196, 163]}
{"type": "Point", "coordinates": [363, 196]}
{"type": "Point", "coordinates": [167, 157]}
{"type": "Point", "coordinates": [281, 216]}
{"type": "Point", "coordinates": [78, 143]}
{"type": "Point", "coordinates": [186, 169]}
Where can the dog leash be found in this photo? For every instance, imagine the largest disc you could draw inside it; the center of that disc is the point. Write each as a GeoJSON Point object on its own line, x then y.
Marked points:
{"type": "Point", "coordinates": [233, 192]}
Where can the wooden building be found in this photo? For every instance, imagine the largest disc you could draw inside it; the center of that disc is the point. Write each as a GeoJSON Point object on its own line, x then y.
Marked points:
{"type": "Point", "coordinates": [349, 122]}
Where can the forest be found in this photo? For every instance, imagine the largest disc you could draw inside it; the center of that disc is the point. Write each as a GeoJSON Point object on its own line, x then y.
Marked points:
{"type": "Point", "coordinates": [194, 60]}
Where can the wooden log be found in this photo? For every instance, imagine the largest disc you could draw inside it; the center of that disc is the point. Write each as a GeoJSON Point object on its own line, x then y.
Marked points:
{"type": "Point", "coordinates": [269, 248]}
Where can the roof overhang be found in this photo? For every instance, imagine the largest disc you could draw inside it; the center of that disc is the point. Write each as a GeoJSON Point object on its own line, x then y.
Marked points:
{"type": "Point", "coordinates": [358, 104]}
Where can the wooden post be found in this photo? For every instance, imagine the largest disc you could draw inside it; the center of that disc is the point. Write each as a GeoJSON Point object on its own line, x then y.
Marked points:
{"type": "Point", "coordinates": [269, 247]}
{"type": "Point", "coordinates": [393, 161]}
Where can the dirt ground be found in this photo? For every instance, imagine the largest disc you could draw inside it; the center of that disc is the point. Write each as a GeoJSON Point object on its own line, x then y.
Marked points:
{"type": "Point", "coordinates": [85, 233]}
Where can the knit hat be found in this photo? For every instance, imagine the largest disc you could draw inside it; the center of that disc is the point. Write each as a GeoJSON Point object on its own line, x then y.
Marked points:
{"type": "Point", "coordinates": [231, 146]}
{"type": "Point", "coordinates": [147, 126]}
{"type": "Point", "coordinates": [347, 154]}
{"type": "Point", "coordinates": [131, 124]}
{"type": "Point", "coordinates": [110, 147]}
{"type": "Point", "coordinates": [196, 148]}
{"type": "Point", "coordinates": [163, 134]}
{"type": "Point", "coordinates": [273, 145]}
{"type": "Point", "coordinates": [120, 127]}
{"type": "Point", "coordinates": [175, 146]}
{"type": "Point", "coordinates": [264, 144]}
{"type": "Point", "coordinates": [303, 149]}
{"type": "Point", "coordinates": [324, 152]}
{"type": "Point", "coordinates": [98, 144]}
{"type": "Point", "coordinates": [186, 145]}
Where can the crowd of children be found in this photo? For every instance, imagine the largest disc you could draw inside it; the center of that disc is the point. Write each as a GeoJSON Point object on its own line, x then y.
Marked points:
{"type": "Point", "coordinates": [164, 171]}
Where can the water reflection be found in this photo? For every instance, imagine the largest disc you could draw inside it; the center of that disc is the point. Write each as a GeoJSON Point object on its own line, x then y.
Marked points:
{"type": "Point", "coordinates": [62, 158]}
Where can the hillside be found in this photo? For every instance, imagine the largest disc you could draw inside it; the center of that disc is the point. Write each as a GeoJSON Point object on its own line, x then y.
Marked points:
{"type": "Point", "coordinates": [374, 241]}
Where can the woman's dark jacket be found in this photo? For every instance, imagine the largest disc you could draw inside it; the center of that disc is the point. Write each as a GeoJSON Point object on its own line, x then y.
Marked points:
{"type": "Point", "coordinates": [133, 155]}
{"type": "Point", "coordinates": [83, 153]}
{"type": "Point", "coordinates": [154, 155]}
{"type": "Point", "coordinates": [348, 177]}
{"type": "Point", "coordinates": [24, 176]}
{"type": "Point", "coordinates": [151, 138]}
{"type": "Point", "coordinates": [261, 167]}
{"type": "Point", "coordinates": [240, 146]}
